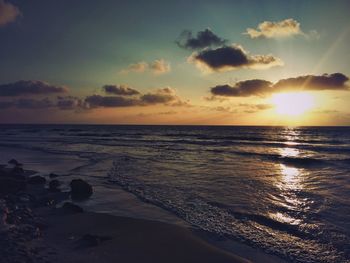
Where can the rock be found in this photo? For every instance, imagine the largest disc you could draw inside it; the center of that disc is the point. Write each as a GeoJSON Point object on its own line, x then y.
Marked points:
{"type": "Point", "coordinates": [14, 162]}
{"type": "Point", "coordinates": [18, 172]}
{"type": "Point", "coordinates": [80, 189]}
{"type": "Point", "coordinates": [37, 180]}
{"type": "Point", "coordinates": [4, 211]}
{"type": "Point", "coordinates": [72, 208]}
{"type": "Point", "coordinates": [53, 175]}
{"type": "Point", "coordinates": [11, 186]}
{"type": "Point", "coordinates": [53, 186]}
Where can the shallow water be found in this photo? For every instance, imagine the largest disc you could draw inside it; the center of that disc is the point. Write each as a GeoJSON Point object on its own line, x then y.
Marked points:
{"type": "Point", "coordinates": [285, 190]}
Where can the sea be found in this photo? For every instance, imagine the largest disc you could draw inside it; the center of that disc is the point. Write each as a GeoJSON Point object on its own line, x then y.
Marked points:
{"type": "Point", "coordinates": [283, 190]}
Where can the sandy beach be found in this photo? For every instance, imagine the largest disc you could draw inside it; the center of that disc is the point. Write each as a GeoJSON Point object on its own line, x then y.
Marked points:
{"type": "Point", "coordinates": [36, 227]}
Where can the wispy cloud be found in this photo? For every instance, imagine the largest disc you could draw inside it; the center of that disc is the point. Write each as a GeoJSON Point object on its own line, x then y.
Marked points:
{"type": "Point", "coordinates": [138, 67]}
{"type": "Point", "coordinates": [281, 29]}
{"type": "Point", "coordinates": [158, 67]}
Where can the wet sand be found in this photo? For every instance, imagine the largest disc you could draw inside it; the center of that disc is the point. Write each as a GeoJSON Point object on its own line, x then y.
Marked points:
{"type": "Point", "coordinates": [35, 228]}
{"type": "Point", "coordinates": [97, 237]}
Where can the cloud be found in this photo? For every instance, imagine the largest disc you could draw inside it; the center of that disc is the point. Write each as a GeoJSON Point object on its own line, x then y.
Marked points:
{"type": "Point", "coordinates": [29, 87]}
{"type": "Point", "coordinates": [336, 81]}
{"type": "Point", "coordinates": [158, 67]}
{"type": "Point", "coordinates": [69, 103]}
{"type": "Point", "coordinates": [8, 13]}
{"type": "Point", "coordinates": [96, 101]}
{"type": "Point", "coordinates": [253, 108]}
{"type": "Point", "coordinates": [166, 96]}
{"type": "Point", "coordinates": [224, 109]}
{"type": "Point", "coordinates": [326, 111]}
{"type": "Point", "coordinates": [167, 112]}
{"type": "Point", "coordinates": [123, 90]}
{"type": "Point", "coordinates": [29, 103]}
{"type": "Point", "coordinates": [243, 88]}
{"type": "Point", "coordinates": [118, 96]}
{"type": "Point", "coordinates": [214, 98]}
{"type": "Point", "coordinates": [258, 87]}
{"type": "Point", "coordinates": [203, 39]}
{"type": "Point", "coordinates": [230, 58]}
{"type": "Point", "coordinates": [267, 29]}
{"type": "Point", "coordinates": [281, 29]}
{"type": "Point", "coordinates": [138, 67]}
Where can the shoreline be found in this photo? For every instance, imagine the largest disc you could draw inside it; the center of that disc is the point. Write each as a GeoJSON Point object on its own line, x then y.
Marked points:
{"type": "Point", "coordinates": [35, 229]}
{"type": "Point", "coordinates": [218, 245]}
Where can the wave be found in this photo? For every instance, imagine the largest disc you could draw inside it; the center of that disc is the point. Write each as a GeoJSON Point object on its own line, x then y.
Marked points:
{"type": "Point", "coordinates": [274, 237]}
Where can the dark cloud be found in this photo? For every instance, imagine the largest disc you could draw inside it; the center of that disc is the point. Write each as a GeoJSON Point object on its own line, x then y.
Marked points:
{"type": "Point", "coordinates": [230, 58]}
{"type": "Point", "coordinates": [96, 101]}
{"type": "Point", "coordinates": [123, 96]}
{"type": "Point", "coordinates": [8, 13]}
{"type": "Point", "coordinates": [258, 87]}
{"type": "Point", "coordinates": [69, 103]}
{"type": "Point", "coordinates": [243, 88]}
{"type": "Point", "coordinates": [164, 95]}
{"type": "Point", "coordinates": [203, 39]}
{"type": "Point", "coordinates": [29, 87]}
{"type": "Point", "coordinates": [29, 103]}
{"type": "Point", "coordinates": [310, 82]}
{"type": "Point", "coordinates": [122, 90]}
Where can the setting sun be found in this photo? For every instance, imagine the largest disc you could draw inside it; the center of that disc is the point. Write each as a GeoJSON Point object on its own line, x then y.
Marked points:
{"type": "Point", "coordinates": [293, 103]}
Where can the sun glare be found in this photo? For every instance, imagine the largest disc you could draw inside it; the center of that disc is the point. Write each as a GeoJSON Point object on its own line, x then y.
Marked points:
{"type": "Point", "coordinates": [293, 103]}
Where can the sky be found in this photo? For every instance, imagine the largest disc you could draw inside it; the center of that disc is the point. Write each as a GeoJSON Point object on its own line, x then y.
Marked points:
{"type": "Point", "coordinates": [175, 62]}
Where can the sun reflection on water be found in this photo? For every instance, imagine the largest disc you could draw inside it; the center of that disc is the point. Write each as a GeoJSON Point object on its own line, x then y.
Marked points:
{"type": "Point", "coordinates": [290, 176]}
{"type": "Point", "coordinates": [289, 182]}
{"type": "Point", "coordinates": [289, 152]}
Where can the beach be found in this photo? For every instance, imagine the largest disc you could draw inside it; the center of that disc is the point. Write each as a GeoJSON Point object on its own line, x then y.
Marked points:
{"type": "Point", "coordinates": [36, 227]}
{"type": "Point", "coordinates": [264, 196]}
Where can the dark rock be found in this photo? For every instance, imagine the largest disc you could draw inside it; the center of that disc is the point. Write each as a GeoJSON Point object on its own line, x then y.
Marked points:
{"type": "Point", "coordinates": [53, 175]}
{"type": "Point", "coordinates": [14, 162]}
{"type": "Point", "coordinates": [72, 208]}
{"type": "Point", "coordinates": [18, 172]}
{"type": "Point", "coordinates": [11, 185]}
{"type": "Point", "coordinates": [80, 189]}
{"type": "Point", "coordinates": [54, 186]}
{"type": "Point", "coordinates": [37, 179]}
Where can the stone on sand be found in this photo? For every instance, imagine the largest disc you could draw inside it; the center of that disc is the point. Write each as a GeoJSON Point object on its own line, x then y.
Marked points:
{"type": "Point", "coordinates": [80, 189]}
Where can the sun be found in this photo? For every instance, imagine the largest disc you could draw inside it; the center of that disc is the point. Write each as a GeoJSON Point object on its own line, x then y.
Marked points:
{"type": "Point", "coordinates": [292, 103]}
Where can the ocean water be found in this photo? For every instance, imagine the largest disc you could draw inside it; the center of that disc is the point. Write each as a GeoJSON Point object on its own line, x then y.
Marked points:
{"type": "Point", "coordinates": [285, 190]}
